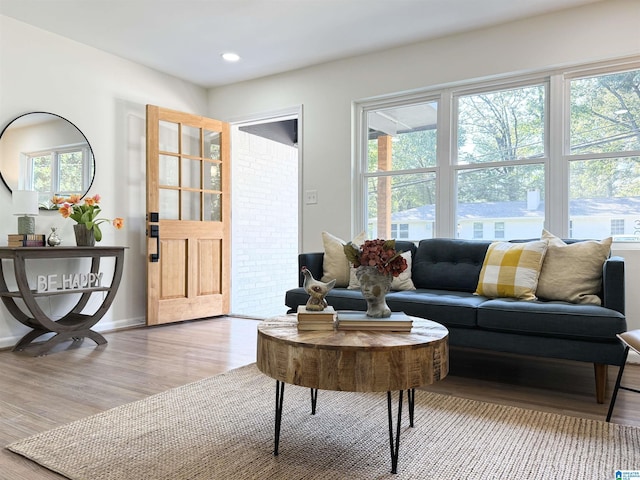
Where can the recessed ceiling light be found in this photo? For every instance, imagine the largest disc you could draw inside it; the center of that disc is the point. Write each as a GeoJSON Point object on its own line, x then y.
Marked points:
{"type": "Point", "coordinates": [231, 57]}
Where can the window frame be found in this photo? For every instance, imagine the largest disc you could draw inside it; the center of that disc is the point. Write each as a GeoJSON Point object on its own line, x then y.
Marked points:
{"type": "Point", "coordinates": [556, 160]}
{"type": "Point", "coordinates": [55, 154]}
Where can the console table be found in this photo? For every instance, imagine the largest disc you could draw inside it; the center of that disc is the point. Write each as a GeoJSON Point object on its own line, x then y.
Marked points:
{"type": "Point", "coordinates": [74, 325]}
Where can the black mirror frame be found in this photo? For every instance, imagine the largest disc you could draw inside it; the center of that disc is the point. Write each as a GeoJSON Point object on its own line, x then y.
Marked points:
{"type": "Point", "coordinates": [93, 157]}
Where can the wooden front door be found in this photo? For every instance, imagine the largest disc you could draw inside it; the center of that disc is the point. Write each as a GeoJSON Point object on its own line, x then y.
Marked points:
{"type": "Point", "coordinates": [188, 216]}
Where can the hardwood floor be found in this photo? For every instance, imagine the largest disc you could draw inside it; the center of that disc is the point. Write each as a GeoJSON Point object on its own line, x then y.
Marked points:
{"type": "Point", "coordinates": [37, 394]}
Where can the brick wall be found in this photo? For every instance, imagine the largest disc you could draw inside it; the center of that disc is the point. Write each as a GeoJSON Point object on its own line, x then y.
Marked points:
{"type": "Point", "coordinates": [264, 213]}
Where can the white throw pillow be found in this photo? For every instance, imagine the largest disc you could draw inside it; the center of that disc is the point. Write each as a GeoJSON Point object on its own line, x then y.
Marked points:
{"type": "Point", "coordinates": [573, 272]}
{"type": "Point", "coordinates": [401, 282]}
{"type": "Point", "coordinates": [335, 264]}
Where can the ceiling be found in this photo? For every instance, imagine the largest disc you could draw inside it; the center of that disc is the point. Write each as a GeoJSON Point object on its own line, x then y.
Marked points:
{"type": "Point", "coordinates": [185, 38]}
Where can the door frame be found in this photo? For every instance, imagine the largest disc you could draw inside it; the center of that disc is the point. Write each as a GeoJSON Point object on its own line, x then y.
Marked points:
{"type": "Point", "coordinates": [265, 119]}
{"type": "Point", "coordinates": [275, 116]}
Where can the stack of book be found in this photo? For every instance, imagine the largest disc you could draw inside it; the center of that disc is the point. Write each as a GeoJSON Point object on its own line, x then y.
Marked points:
{"type": "Point", "coordinates": [26, 240]}
{"type": "Point", "coordinates": [351, 320]}
{"type": "Point", "coordinates": [312, 320]}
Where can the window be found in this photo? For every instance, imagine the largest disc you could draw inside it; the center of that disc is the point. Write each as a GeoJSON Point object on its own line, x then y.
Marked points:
{"type": "Point", "coordinates": [400, 173]}
{"type": "Point", "coordinates": [500, 138]}
{"type": "Point", "coordinates": [60, 171]}
{"type": "Point", "coordinates": [604, 153]}
{"type": "Point", "coordinates": [478, 230]}
{"type": "Point", "coordinates": [400, 230]}
{"type": "Point", "coordinates": [556, 150]}
{"type": "Point", "coordinates": [617, 226]}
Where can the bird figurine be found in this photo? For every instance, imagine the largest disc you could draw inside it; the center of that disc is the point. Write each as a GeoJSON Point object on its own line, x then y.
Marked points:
{"type": "Point", "coordinates": [317, 290]}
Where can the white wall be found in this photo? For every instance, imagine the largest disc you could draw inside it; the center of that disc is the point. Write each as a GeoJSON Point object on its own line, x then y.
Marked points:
{"type": "Point", "coordinates": [105, 97]}
{"type": "Point", "coordinates": [600, 31]}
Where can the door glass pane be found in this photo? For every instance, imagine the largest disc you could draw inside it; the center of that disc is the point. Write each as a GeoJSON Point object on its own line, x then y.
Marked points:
{"type": "Point", "coordinates": [212, 180]}
{"type": "Point", "coordinates": [604, 198]}
{"type": "Point", "coordinates": [212, 145]}
{"type": "Point", "coordinates": [190, 173]}
{"type": "Point", "coordinates": [212, 207]}
{"type": "Point", "coordinates": [190, 205]}
{"type": "Point", "coordinates": [511, 195]}
{"type": "Point", "coordinates": [401, 199]}
{"type": "Point", "coordinates": [191, 141]}
{"type": "Point", "coordinates": [169, 170]}
{"type": "Point", "coordinates": [169, 204]}
{"type": "Point", "coordinates": [168, 137]}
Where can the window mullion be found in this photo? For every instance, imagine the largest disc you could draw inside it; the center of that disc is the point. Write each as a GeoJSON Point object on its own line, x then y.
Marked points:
{"type": "Point", "coordinates": [446, 189]}
{"type": "Point", "coordinates": [358, 167]}
{"type": "Point", "coordinates": [557, 167]}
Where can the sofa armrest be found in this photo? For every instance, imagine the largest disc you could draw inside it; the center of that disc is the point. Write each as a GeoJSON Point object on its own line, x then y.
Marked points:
{"type": "Point", "coordinates": [613, 284]}
{"type": "Point", "coordinates": [313, 262]}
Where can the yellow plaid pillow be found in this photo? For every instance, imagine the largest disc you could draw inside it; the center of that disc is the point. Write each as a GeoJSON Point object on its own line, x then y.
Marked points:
{"type": "Point", "coordinates": [512, 270]}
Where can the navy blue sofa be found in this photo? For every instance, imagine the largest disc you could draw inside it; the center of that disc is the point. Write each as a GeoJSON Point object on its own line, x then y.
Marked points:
{"type": "Point", "coordinates": [445, 273]}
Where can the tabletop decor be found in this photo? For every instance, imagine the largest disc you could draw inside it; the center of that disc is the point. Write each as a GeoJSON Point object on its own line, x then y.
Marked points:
{"type": "Point", "coordinates": [87, 227]}
{"type": "Point", "coordinates": [317, 290]}
{"type": "Point", "coordinates": [376, 263]}
{"type": "Point", "coordinates": [25, 207]}
{"type": "Point", "coordinates": [53, 240]}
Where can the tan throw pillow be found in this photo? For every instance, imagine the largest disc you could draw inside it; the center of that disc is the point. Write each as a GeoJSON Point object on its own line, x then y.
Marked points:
{"type": "Point", "coordinates": [401, 282]}
{"type": "Point", "coordinates": [573, 272]}
{"type": "Point", "coordinates": [511, 269]}
{"type": "Point", "coordinates": [335, 264]}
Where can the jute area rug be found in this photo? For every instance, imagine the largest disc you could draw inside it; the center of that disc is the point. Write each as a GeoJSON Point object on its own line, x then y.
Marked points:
{"type": "Point", "coordinates": [222, 428]}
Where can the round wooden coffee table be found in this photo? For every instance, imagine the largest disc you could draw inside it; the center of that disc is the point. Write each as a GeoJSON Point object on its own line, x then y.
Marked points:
{"type": "Point", "coordinates": [353, 361]}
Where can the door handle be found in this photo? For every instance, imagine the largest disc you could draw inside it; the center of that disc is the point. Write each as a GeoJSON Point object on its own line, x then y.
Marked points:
{"type": "Point", "coordinates": [154, 232]}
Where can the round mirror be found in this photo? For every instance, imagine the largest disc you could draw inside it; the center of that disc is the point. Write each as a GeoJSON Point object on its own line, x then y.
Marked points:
{"type": "Point", "coordinates": [47, 153]}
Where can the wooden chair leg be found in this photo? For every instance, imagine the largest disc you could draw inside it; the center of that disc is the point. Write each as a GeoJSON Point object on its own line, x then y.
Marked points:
{"type": "Point", "coordinates": [601, 370]}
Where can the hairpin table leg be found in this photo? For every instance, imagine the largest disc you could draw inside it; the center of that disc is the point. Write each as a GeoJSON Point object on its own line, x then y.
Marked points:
{"type": "Point", "coordinates": [279, 401]}
{"type": "Point", "coordinates": [394, 444]}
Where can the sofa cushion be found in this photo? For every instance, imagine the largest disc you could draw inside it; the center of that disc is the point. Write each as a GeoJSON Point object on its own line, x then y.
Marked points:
{"type": "Point", "coordinates": [448, 264]}
{"type": "Point", "coordinates": [553, 319]}
{"type": "Point", "coordinates": [511, 270]}
{"type": "Point", "coordinates": [334, 263]}
{"type": "Point", "coordinates": [401, 282]}
{"type": "Point", "coordinates": [573, 272]}
{"type": "Point", "coordinates": [448, 307]}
